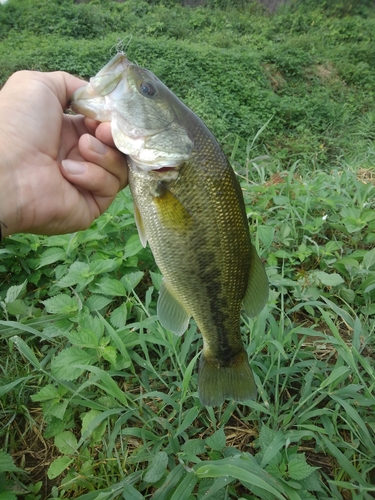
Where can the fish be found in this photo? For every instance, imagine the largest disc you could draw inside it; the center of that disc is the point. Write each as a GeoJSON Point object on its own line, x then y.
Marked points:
{"type": "Point", "coordinates": [189, 207]}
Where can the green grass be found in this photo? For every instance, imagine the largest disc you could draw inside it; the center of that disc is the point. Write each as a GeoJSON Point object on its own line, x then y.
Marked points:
{"type": "Point", "coordinates": [105, 400]}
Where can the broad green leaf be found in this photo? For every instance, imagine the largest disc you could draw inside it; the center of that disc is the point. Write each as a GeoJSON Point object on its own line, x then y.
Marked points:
{"type": "Point", "coordinates": [156, 468]}
{"type": "Point", "coordinates": [312, 482]}
{"type": "Point", "coordinates": [332, 279]}
{"type": "Point", "coordinates": [354, 225]}
{"type": "Point", "coordinates": [369, 259]}
{"type": "Point", "coordinates": [298, 468]}
{"type": "Point", "coordinates": [217, 441]}
{"type": "Point", "coordinates": [101, 417]}
{"type": "Point", "coordinates": [266, 436]}
{"type": "Point", "coordinates": [99, 430]}
{"type": "Point", "coordinates": [91, 323]}
{"type": "Point", "coordinates": [132, 246]}
{"type": "Point", "coordinates": [61, 303]}
{"type": "Point", "coordinates": [58, 466]}
{"type": "Point", "coordinates": [54, 427]}
{"type": "Point", "coordinates": [58, 409]}
{"type": "Point", "coordinates": [66, 442]}
{"type": "Point", "coordinates": [111, 287]}
{"type": "Point", "coordinates": [51, 255]}
{"type": "Point", "coordinates": [79, 272]}
{"type": "Point", "coordinates": [118, 316]}
{"type": "Point", "coordinates": [103, 266]}
{"type": "Point", "coordinates": [15, 292]}
{"type": "Point", "coordinates": [131, 280]}
{"type": "Point", "coordinates": [348, 295]}
{"type": "Point", "coordinates": [266, 234]}
{"type": "Point", "coordinates": [83, 337]}
{"type": "Point", "coordinates": [231, 470]}
{"type": "Point", "coordinates": [97, 302]}
{"type": "Point", "coordinates": [194, 446]}
{"type": "Point", "coordinates": [156, 279]}
{"type": "Point", "coordinates": [63, 365]}
{"type": "Point", "coordinates": [368, 284]}
{"type": "Point", "coordinates": [7, 464]}
{"type": "Point", "coordinates": [17, 308]}
{"type": "Point", "coordinates": [273, 448]}
{"type": "Point", "coordinates": [109, 353]}
{"type": "Point", "coordinates": [46, 393]}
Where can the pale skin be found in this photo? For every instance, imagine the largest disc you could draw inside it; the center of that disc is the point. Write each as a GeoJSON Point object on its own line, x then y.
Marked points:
{"type": "Point", "coordinates": [58, 172]}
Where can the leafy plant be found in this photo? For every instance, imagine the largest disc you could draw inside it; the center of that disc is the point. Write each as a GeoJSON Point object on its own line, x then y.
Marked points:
{"type": "Point", "coordinates": [88, 375]}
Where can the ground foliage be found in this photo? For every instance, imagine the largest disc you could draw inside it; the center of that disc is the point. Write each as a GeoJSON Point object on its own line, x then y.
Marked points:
{"type": "Point", "coordinates": [97, 400]}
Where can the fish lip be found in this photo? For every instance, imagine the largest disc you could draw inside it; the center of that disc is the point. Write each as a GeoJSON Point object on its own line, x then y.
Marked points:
{"type": "Point", "coordinates": [114, 69]}
{"type": "Point", "coordinates": [162, 170]}
{"type": "Point", "coordinates": [118, 63]}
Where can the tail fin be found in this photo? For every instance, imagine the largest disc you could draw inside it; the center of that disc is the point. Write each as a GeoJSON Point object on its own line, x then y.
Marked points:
{"type": "Point", "coordinates": [234, 381]}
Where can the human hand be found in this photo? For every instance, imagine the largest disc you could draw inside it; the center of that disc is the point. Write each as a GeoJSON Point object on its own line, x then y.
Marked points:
{"type": "Point", "coordinates": [56, 177]}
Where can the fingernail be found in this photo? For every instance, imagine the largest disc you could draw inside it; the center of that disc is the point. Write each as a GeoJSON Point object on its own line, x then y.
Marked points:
{"type": "Point", "coordinates": [96, 146]}
{"type": "Point", "coordinates": [74, 167]}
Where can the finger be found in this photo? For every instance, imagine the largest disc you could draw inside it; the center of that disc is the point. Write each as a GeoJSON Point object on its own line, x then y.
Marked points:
{"type": "Point", "coordinates": [111, 159]}
{"type": "Point", "coordinates": [98, 184]}
{"type": "Point", "coordinates": [91, 125]}
{"type": "Point", "coordinates": [104, 133]}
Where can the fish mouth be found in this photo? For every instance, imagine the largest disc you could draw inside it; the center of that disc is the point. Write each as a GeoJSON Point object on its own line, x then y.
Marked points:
{"type": "Point", "coordinates": [93, 99]}
{"type": "Point", "coordinates": [165, 169]}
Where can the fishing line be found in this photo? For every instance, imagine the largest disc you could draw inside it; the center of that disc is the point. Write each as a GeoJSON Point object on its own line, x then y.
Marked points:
{"type": "Point", "coordinates": [120, 46]}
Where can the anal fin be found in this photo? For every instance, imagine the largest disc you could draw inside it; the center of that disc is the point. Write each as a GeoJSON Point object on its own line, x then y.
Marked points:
{"type": "Point", "coordinates": [172, 314]}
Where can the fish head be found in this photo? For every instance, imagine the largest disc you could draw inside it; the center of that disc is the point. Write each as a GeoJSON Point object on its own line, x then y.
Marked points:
{"type": "Point", "coordinates": [147, 119]}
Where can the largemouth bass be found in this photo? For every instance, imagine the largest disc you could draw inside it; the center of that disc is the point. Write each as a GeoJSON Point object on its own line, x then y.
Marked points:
{"type": "Point", "coordinates": [189, 207]}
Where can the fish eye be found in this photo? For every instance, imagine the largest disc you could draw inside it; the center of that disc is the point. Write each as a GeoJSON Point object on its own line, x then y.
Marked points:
{"type": "Point", "coordinates": [147, 89]}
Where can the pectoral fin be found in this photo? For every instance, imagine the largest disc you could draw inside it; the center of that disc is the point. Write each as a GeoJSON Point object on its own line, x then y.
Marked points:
{"type": "Point", "coordinates": [256, 295]}
{"type": "Point", "coordinates": [140, 226]}
{"type": "Point", "coordinates": [172, 212]}
{"type": "Point", "coordinates": [172, 314]}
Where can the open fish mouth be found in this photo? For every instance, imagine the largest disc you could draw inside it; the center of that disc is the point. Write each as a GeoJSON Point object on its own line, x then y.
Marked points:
{"type": "Point", "coordinates": [143, 126]}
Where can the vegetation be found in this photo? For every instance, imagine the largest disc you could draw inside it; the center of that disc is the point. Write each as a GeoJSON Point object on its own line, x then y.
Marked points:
{"type": "Point", "coordinates": [97, 400]}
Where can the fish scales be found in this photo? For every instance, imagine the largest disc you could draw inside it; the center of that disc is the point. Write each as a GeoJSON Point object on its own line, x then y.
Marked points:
{"type": "Point", "coordinates": [189, 207]}
{"type": "Point", "coordinates": [198, 262]}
